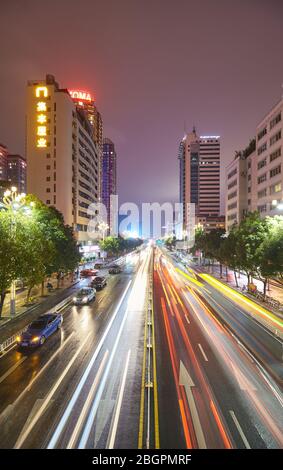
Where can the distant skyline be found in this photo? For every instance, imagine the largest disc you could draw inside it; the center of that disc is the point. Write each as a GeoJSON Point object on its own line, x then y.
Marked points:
{"type": "Point", "coordinates": [153, 66]}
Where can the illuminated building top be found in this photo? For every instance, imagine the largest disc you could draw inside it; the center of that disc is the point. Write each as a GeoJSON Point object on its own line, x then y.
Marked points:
{"type": "Point", "coordinates": [79, 95]}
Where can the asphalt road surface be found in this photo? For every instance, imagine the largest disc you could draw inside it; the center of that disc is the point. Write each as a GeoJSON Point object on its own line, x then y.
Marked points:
{"type": "Point", "coordinates": [82, 388]}
{"type": "Point", "coordinates": [214, 367]}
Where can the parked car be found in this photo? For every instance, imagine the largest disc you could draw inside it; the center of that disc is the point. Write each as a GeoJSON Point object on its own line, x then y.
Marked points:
{"type": "Point", "coordinates": [84, 296]}
{"type": "Point", "coordinates": [88, 272]}
{"type": "Point", "coordinates": [98, 282]}
{"type": "Point", "coordinates": [99, 265]}
{"type": "Point", "coordinates": [114, 269]}
{"type": "Point", "coordinates": [37, 332]}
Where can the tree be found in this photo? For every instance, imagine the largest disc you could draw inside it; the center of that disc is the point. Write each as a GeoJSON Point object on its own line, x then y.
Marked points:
{"type": "Point", "coordinates": [9, 269]}
{"type": "Point", "coordinates": [250, 234]}
{"type": "Point", "coordinates": [270, 252]}
{"type": "Point", "coordinates": [111, 245]}
{"type": "Point", "coordinates": [228, 252]}
{"type": "Point", "coordinates": [57, 248]}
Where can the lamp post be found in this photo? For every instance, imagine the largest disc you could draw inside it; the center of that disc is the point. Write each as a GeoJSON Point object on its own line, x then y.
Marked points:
{"type": "Point", "coordinates": [103, 226]}
{"type": "Point", "coordinates": [14, 203]}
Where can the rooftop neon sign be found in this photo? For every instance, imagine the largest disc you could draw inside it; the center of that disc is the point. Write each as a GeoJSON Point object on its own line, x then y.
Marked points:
{"type": "Point", "coordinates": [80, 95]}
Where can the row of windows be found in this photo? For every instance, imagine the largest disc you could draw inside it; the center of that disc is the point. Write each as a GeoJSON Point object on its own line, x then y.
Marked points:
{"type": "Point", "coordinates": [232, 195]}
{"type": "Point", "coordinates": [231, 185]}
{"type": "Point", "coordinates": [272, 123]}
{"type": "Point", "coordinates": [275, 188]}
{"type": "Point", "coordinates": [232, 206]}
{"type": "Point", "coordinates": [262, 148]}
{"type": "Point", "coordinates": [275, 154]}
{"type": "Point", "coordinates": [232, 173]}
{"type": "Point", "coordinates": [275, 138]}
{"type": "Point", "coordinates": [275, 171]}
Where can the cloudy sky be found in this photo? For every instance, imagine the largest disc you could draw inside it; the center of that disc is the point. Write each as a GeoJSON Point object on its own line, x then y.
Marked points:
{"type": "Point", "coordinates": [155, 67]}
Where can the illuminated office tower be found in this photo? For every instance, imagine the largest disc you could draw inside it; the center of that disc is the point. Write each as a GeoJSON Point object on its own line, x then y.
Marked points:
{"type": "Point", "coordinates": [62, 156]}
{"type": "Point", "coordinates": [108, 174]}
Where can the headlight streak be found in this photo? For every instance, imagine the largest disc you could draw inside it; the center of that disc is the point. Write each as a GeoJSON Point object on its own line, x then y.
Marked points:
{"type": "Point", "coordinates": [136, 296]}
{"type": "Point", "coordinates": [221, 346]}
{"type": "Point", "coordinates": [68, 411]}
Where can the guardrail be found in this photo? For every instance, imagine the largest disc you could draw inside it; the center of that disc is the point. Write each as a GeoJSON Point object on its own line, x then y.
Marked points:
{"type": "Point", "coordinates": [12, 339]}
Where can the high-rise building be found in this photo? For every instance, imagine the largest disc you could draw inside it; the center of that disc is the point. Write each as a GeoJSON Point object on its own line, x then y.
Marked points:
{"type": "Point", "coordinates": [17, 171]}
{"type": "Point", "coordinates": [238, 175]}
{"type": "Point", "coordinates": [262, 188]}
{"type": "Point", "coordinates": [86, 102]}
{"type": "Point", "coordinates": [108, 174]}
{"type": "Point", "coordinates": [3, 162]}
{"type": "Point", "coordinates": [199, 183]}
{"type": "Point", "coordinates": [62, 156]}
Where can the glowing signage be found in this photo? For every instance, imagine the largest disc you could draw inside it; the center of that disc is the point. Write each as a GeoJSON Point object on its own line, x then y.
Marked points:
{"type": "Point", "coordinates": [80, 95]}
{"type": "Point", "coordinates": [41, 90]}
{"type": "Point", "coordinates": [41, 117]}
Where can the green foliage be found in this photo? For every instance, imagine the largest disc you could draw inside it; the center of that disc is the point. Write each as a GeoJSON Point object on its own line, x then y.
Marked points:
{"type": "Point", "coordinates": [254, 246]}
{"type": "Point", "coordinates": [115, 245]}
{"type": "Point", "coordinates": [170, 242]}
{"type": "Point", "coordinates": [34, 246]}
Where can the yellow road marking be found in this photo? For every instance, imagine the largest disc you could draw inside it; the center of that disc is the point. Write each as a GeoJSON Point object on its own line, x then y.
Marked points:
{"type": "Point", "coordinates": [155, 391]}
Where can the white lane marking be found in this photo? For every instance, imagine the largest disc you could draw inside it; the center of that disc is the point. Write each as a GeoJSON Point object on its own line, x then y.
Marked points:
{"type": "Point", "coordinates": [187, 318]}
{"type": "Point", "coordinates": [84, 411]}
{"type": "Point", "coordinates": [262, 373]}
{"type": "Point", "coordinates": [241, 432]}
{"type": "Point", "coordinates": [28, 387]}
{"type": "Point", "coordinates": [34, 409]}
{"type": "Point", "coordinates": [74, 398]}
{"type": "Point", "coordinates": [119, 404]}
{"type": "Point", "coordinates": [186, 380]}
{"type": "Point", "coordinates": [244, 383]}
{"type": "Point", "coordinates": [14, 367]}
{"type": "Point", "coordinates": [202, 351]}
{"type": "Point", "coordinates": [8, 350]}
{"type": "Point", "coordinates": [48, 397]}
{"type": "Point", "coordinates": [91, 417]}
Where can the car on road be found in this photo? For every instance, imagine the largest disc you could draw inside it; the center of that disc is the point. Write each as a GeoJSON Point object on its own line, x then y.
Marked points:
{"type": "Point", "coordinates": [88, 272]}
{"type": "Point", "coordinates": [39, 330]}
{"type": "Point", "coordinates": [84, 296]}
{"type": "Point", "coordinates": [99, 265]}
{"type": "Point", "coordinates": [98, 282]}
{"type": "Point", "coordinates": [114, 269]}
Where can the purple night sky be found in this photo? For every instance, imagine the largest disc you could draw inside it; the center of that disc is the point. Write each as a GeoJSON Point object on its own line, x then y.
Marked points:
{"type": "Point", "coordinates": [153, 65]}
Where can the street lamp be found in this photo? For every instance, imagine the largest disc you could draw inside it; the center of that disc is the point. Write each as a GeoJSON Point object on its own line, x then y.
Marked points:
{"type": "Point", "coordinates": [103, 226]}
{"type": "Point", "coordinates": [14, 203]}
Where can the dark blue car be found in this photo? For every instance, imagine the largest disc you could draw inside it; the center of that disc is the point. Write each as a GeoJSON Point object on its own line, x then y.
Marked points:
{"type": "Point", "coordinates": [37, 332]}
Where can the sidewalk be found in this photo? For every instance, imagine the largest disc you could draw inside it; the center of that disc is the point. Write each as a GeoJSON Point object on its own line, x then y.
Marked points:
{"type": "Point", "coordinates": [272, 291]}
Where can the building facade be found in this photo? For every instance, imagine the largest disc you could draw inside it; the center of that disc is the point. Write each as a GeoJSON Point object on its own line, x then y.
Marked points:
{"type": "Point", "coordinates": [254, 180]}
{"type": "Point", "coordinates": [17, 172]}
{"type": "Point", "coordinates": [108, 175]}
{"type": "Point", "coordinates": [199, 175]}
{"type": "Point", "coordinates": [238, 181]}
{"type": "Point", "coordinates": [268, 182]}
{"type": "Point", "coordinates": [62, 156]}
{"type": "Point", "coordinates": [3, 162]}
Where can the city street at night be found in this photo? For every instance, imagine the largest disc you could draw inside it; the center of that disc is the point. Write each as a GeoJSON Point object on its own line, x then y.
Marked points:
{"type": "Point", "coordinates": [141, 233]}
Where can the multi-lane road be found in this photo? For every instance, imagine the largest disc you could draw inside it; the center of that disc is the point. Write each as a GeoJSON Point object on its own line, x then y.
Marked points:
{"type": "Point", "coordinates": [223, 368]}
{"type": "Point", "coordinates": [82, 388]}
{"type": "Point", "coordinates": [162, 358]}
